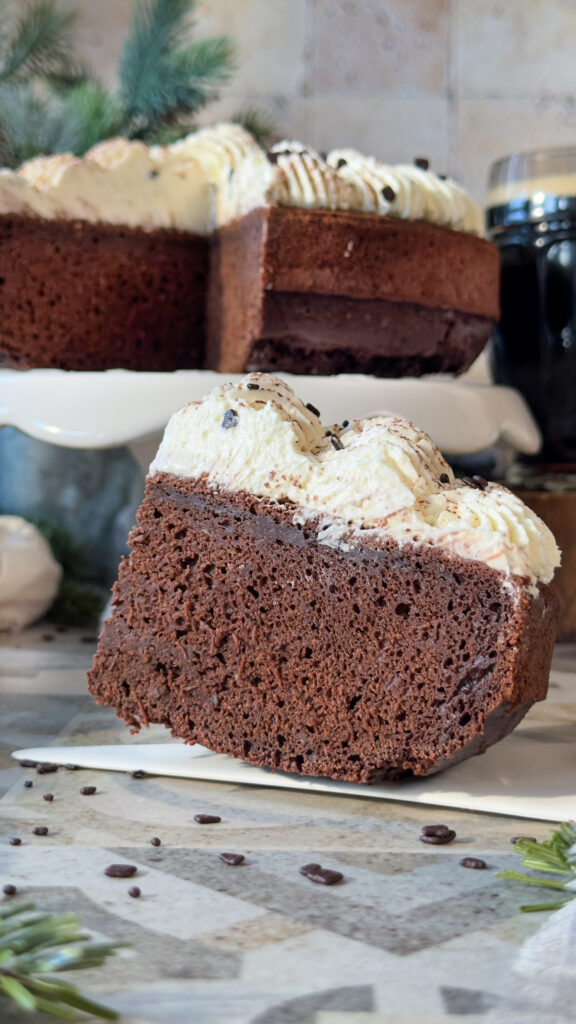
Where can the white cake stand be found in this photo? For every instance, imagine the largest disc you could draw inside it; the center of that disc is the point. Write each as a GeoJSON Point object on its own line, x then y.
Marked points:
{"type": "Point", "coordinates": [120, 407]}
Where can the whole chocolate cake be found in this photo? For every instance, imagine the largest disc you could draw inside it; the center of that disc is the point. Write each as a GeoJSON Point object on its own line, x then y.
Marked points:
{"type": "Point", "coordinates": [209, 253]}
{"type": "Point", "coordinates": [330, 602]}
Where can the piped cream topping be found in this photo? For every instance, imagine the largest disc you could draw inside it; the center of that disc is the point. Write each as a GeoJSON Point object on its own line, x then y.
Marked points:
{"type": "Point", "coordinates": [303, 178]}
{"type": "Point", "coordinates": [381, 475]}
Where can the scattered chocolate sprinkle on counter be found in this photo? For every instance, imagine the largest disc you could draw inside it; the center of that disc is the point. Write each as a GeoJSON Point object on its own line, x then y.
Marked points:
{"type": "Point", "coordinates": [232, 858]}
{"type": "Point", "coordinates": [229, 419]}
{"type": "Point", "coordinates": [435, 830]}
{"type": "Point", "coordinates": [27, 763]}
{"type": "Point", "coordinates": [473, 862]}
{"type": "Point", "coordinates": [28, 784]}
{"type": "Point", "coordinates": [207, 819]}
{"type": "Point", "coordinates": [88, 790]}
{"type": "Point", "coordinates": [322, 876]}
{"type": "Point", "coordinates": [312, 408]}
{"type": "Point", "coordinates": [9, 889]}
{"type": "Point", "coordinates": [155, 841]}
{"type": "Point", "coordinates": [135, 891]}
{"type": "Point", "coordinates": [45, 768]}
{"type": "Point", "coordinates": [40, 830]}
{"type": "Point", "coordinates": [121, 870]}
{"type": "Point", "coordinates": [15, 841]}
{"type": "Point", "coordinates": [388, 193]}
{"type": "Point", "coordinates": [48, 797]}
{"type": "Point", "coordinates": [437, 835]}
{"type": "Point", "coordinates": [422, 162]}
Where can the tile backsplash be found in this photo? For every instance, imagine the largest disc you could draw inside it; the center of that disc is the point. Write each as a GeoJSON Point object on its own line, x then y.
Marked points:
{"type": "Point", "coordinates": [459, 81]}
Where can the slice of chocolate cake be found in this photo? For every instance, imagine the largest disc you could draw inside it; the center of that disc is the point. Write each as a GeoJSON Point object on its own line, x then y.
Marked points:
{"type": "Point", "coordinates": [330, 602]}
{"type": "Point", "coordinates": [354, 267]}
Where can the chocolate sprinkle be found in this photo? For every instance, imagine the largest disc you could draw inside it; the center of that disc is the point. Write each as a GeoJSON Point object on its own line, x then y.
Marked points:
{"type": "Point", "coordinates": [336, 443]}
{"type": "Point", "coordinates": [322, 876]}
{"type": "Point", "coordinates": [388, 193]}
{"type": "Point", "coordinates": [444, 478]}
{"type": "Point", "coordinates": [28, 784]}
{"type": "Point", "coordinates": [439, 838]}
{"type": "Point", "coordinates": [345, 423]}
{"type": "Point", "coordinates": [48, 797]}
{"type": "Point", "coordinates": [435, 830]}
{"type": "Point", "coordinates": [230, 419]}
{"type": "Point", "coordinates": [232, 858]}
{"type": "Point", "coordinates": [15, 841]}
{"type": "Point", "coordinates": [121, 870]}
{"type": "Point", "coordinates": [135, 891]}
{"type": "Point", "coordinates": [421, 162]}
{"type": "Point", "coordinates": [253, 387]}
{"type": "Point", "coordinates": [26, 763]}
{"type": "Point", "coordinates": [155, 841]}
{"type": "Point", "coordinates": [207, 819]}
{"type": "Point", "coordinates": [9, 889]}
{"type": "Point", "coordinates": [473, 862]}
{"type": "Point", "coordinates": [88, 790]}
{"type": "Point", "coordinates": [313, 409]}
{"type": "Point", "coordinates": [153, 174]}
{"type": "Point", "coordinates": [341, 163]}
{"type": "Point", "coordinates": [45, 768]}
{"type": "Point", "coordinates": [40, 830]}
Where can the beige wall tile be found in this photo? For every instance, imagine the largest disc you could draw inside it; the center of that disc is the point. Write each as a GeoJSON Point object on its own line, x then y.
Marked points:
{"type": "Point", "coordinates": [515, 47]}
{"type": "Point", "coordinates": [488, 129]}
{"type": "Point", "coordinates": [102, 27]}
{"type": "Point", "coordinates": [290, 116]}
{"type": "Point", "coordinates": [392, 129]}
{"type": "Point", "coordinates": [270, 38]}
{"type": "Point", "coordinates": [393, 45]}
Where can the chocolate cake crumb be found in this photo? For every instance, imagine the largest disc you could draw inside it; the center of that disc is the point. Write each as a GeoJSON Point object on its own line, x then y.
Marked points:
{"type": "Point", "coordinates": [48, 797]}
{"type": "Point", "coordinates": [230, 419]}
{"type": "Point", "coordinates": [473, 862]}
{"type": "Point", "coordinates": [9, 889]}
{"type": "Point", "coordinates": [135, 891]}
{"type": "Point", "coordinates": [388, 193]}
{"type": "Point", "coordinates": [439, 840]}
{"type": "Point", "coordinates": [312, 409]}
{"type": "Point", "coordinates": [28, 784]}
{"type": "Point", "coordinates": [253, 387]}
{"type": "Point", "coordinates": [88, 790]}
{"type": "Point", "coordinates": [322, 876]}
{"type": "Point", "coordinates": [120, 870]}
{"type": "Point", "coordinates": [207, 819]}
{"type": "Point", "coordinates": [40, 830]}
{"type": "Point", "coordinates": [15, 841]}
{"type": "Point", "coordinates": [155, 841]}
{"type": "Point", "coordinates": [232, 858]}
{"type": "Point", "coordinates": [336, 443]}
{"type": "Point", "coordinates": [422, 162]}
{"type": "Point", "coordinates": [45, 767]}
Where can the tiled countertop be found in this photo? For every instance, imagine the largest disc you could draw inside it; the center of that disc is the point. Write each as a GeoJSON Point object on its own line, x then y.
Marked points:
{"type": "Point", "coordinates": [409, 936]}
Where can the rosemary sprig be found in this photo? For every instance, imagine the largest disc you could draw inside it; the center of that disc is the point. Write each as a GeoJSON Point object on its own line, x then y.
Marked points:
{"type": "Point", "coordinates": [554, 856]}
{"type": "Point", "coordinates": [33, 947]}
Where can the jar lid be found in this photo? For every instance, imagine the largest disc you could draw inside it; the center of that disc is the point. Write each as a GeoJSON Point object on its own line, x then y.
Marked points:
{"type": "Point", "coordinates": [532, 186]}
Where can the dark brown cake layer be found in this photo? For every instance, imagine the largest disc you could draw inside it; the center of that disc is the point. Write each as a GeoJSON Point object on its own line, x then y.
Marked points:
{"type": "Point", "coordinates": [388, 269]}
{"type": "Point", "coordinates": [85, 296]}
{"type": "Point", "coordinates": [320, 334]}
{"type": "Point", "coordinates": [237, 630]}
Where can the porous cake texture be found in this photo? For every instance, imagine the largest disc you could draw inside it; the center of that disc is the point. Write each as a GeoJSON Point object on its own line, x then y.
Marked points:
{"type": "Point", "coordinates": [329, 602]}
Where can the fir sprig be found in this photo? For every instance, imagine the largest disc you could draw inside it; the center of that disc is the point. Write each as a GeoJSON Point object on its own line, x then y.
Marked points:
{"type": "Point", "coordinates": [554, 856]}
{"type": "Point", "coordinates": [35, 946]}
{"type": "Point", "coordinates": [37, 44]}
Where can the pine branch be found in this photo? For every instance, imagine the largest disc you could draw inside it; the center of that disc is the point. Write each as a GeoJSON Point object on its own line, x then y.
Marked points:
{"type": "Point", "coordinates": [30, 125]}
{"type": "Point", "coordinates": [95, 114]}
{"type": "Point", "coordinates": [40, 43]}
{"type": "Point", "coordinates": [554, 856]}
{"type": "Point", "coordinates": [258, 123]}
{"type": "Point", "coordinates": [33, 947]}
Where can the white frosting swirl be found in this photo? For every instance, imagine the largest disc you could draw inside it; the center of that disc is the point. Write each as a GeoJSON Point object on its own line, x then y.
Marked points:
{"type": "Point", "coordinates": [417, 194]}
{"type": "Point", "coordinates": [382, 475]}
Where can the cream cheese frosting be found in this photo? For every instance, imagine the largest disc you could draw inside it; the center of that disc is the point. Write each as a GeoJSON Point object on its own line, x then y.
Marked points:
{"type": "Point", "coordinates": [303, 178]}
{"type": "Point", "coordinates": [382, 475]}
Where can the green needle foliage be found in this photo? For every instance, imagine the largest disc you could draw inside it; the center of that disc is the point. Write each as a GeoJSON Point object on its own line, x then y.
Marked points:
{"type": "Point", "coordinates": [36, 946]}
{"type": "Point", "coordinates": [554, 856]}
{"type": "Point", "coordinates": [50, 102]}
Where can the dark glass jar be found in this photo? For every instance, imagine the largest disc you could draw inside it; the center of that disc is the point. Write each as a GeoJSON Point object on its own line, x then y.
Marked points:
{"type": "Point", "coordinates": [531, 217]}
